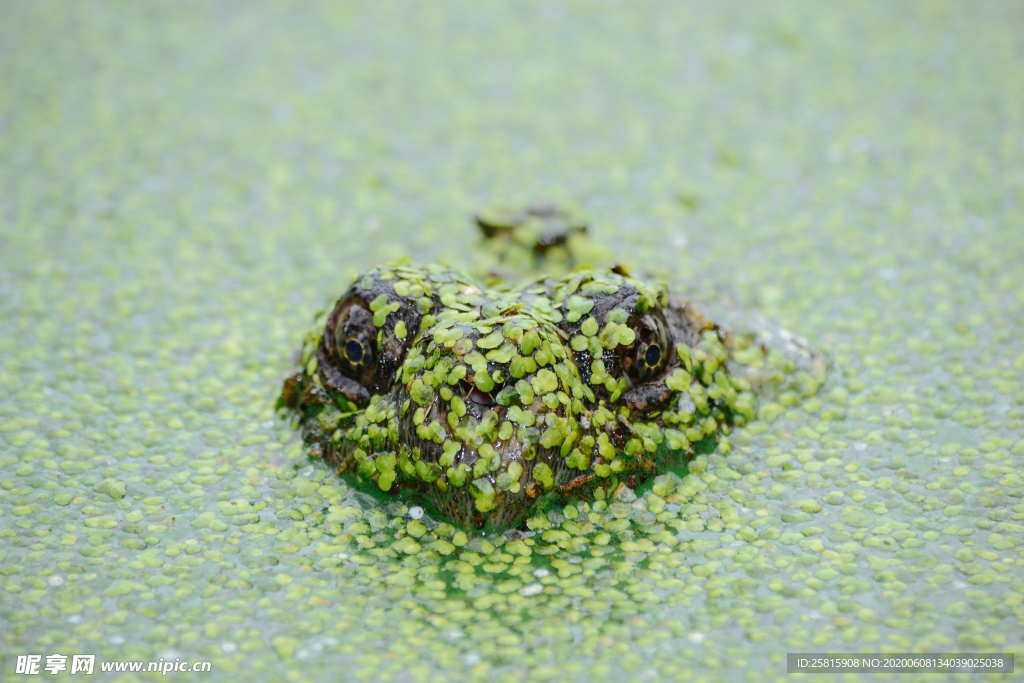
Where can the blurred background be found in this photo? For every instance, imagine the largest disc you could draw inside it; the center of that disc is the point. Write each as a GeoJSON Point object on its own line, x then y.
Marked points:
{"type": "Point", "coordinates": [185, 184]}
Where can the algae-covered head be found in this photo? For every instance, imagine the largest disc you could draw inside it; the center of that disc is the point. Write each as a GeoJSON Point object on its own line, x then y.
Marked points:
{"type": "Point", "coordinates": [484, 399]}
{"type": "Point", "coordinates": [480, 403]}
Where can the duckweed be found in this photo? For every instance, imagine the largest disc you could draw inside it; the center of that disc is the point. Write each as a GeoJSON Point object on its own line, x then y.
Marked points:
{"type": "Point", "coordinates": [181, 185]}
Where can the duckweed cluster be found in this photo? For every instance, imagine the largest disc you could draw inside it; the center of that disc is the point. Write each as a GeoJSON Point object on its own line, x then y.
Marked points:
{"type": "Point", "coordinates": [182, 187]}
{"type": "Point", "coordinates": [483, 402]}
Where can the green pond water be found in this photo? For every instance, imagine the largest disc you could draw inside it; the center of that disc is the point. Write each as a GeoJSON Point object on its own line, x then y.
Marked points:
{"type": "Point", "coordinates": [185, 185]}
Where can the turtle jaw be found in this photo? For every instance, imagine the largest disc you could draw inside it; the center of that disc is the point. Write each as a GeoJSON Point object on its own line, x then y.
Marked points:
{"type": "Point", "coordinates": [486, 483]}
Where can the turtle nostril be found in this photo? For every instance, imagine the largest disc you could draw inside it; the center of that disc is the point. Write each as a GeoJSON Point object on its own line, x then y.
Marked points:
{"type": "Point", "coordinates": [475, 396]}
{"type": "Point", "coordinates": [480, 398]}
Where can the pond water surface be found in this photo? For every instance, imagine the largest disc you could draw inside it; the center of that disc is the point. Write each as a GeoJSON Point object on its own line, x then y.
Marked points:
{"type": "Point", "coordinates": [183, 189]}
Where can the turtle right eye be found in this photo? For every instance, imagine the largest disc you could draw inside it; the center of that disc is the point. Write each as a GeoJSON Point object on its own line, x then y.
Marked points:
{"type": "Point", "coordinates": [354, 335]}
{"type": "Point", "coordinates": [354, 351]}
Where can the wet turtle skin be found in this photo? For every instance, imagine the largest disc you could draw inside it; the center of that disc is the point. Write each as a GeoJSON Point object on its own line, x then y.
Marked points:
{"type": "Point", "coordinates": [482, 402]}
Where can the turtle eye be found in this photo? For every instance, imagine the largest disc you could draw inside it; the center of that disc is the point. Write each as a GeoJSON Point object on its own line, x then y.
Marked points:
{"type": "Point", "coordinates": [650, 355]}
{"type": "Point", "coordinates": [354, 351]}
{"type": "Point", "coordinates": [371, 328]}
{"type": "Point", "coordinates": [354, 335]}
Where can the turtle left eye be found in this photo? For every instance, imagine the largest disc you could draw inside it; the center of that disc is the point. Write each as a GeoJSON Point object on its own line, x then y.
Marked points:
{"type": "Point", "coordinates": [649, 360]}
{"type": "Point", "coordinates": [651, 351]}
{"type": "Point", "coordinates": [652, 355]}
